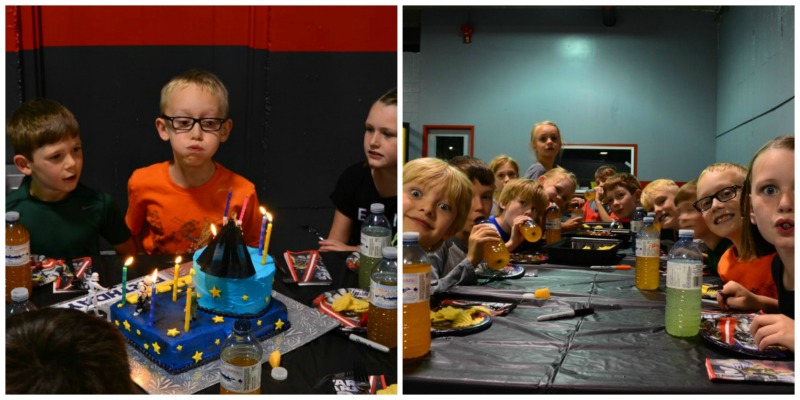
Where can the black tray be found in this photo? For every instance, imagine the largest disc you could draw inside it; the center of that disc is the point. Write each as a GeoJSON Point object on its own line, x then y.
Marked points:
{"type": "Point", "coordinates": [571, 251]}
{"type": "Point", "coordinates": [624, 235]}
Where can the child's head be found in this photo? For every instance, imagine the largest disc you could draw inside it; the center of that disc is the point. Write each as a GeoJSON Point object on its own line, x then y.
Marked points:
{"type": "Point", "coordinates": [47, 146]}
{"type": "Point", "coordinates": [623, 191]}
{"type": "Point", "coordinates": [688, 217]}
{"type": "Point", "coordinates": [194, 116]}
{"type": "Point", "coordinates": [504, 169]}
{"type": "Point", "coordinates": [380, 137]}
{"type": "Point", "coordinates": [768, 201]}
{"type": "Point", "coordinates": [546, 140]}
{"type": "Point", "coordinates": [436, 200]}
{"type": "Point", "coordinates": [603, 173]}
{"type": "Point", "coordinates": [61, 350]}
{"type": "Point", "coordinates": [522, 196]}
{"type": "Point", "coordinates": [482, 180]}
{"type": "Point", "coordinates": [719, 189]}
{"type": "Point", "coordinates": [659, 196]}
{"type": "Point", "coordinates": [559, 185]}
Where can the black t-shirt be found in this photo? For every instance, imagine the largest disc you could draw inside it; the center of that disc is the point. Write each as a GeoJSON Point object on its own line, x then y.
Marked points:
{"type": "Point", "coordinates": [354, 193]}
{"type": "Point", "coordinates": [785, 297]}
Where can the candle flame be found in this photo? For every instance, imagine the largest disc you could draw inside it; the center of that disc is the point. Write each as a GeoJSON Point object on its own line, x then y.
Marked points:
{"type": "Point", "coordinates": [213, 230]}
{"type": "Point", "coordinates": [178, 260]}
{"type": "Point", "coordinates": [269, 217]}
{"type": "Point", "coordinates": [263, 210]}
{"type": "Point", "coordinates": [129, 261]}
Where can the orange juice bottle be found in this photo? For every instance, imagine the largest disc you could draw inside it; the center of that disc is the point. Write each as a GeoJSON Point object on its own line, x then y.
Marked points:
{"type": "Point", "coordinates": [553, 224]}
{"type": "Point", "coordinates": [531, 231]}
{"type": "Point", "coordinates": [648, 251]}
{"type": "Point", "coordinates": [495, 254]}
{"type": "Point", "coordinates": [589, 195]}
{"type": "Point", "coordinates": [416, 298]}
{"type": "Point", "coordinates": [18, 255]}
{"type": "Point", "coordinates": [240, 361]}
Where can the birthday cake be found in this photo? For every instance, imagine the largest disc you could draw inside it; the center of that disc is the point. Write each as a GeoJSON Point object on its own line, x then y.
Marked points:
{"type": "Point", "coordinates": [222, 300]}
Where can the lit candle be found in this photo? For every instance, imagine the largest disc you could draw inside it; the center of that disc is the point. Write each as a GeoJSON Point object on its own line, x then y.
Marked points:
{"type": "Point", "coordinates": [227, 206]}
{"type": "Point", "coordinates": [175, 279]}
{"type": "Point", "coordinates": [263, 231]}
{"type": "Point", "coordinates": [266, 240]}
{"type": "Point", "coordinates": [153, 298]}
{"type": "Point", "coordinates": [244, 207]}
{"type": "Point", "coordinates": [128, 262]}
{"type": "Point", "coordinates": [188, 316]}
{"type": "Point", "coordinates": [213, 231]}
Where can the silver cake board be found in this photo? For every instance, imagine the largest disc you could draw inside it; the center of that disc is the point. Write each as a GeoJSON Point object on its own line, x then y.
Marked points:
{"type": "Point", "coordinates": [307, 324]}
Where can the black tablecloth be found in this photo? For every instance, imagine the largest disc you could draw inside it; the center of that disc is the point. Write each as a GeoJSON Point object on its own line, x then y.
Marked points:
{"type": "Point", "coordinates": [310, 366]}
{"type": "Point", "coordinates": [621, 348]}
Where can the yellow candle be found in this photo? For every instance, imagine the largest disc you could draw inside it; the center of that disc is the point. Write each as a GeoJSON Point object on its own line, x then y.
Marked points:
{"type": "Point", "coordinates": [266, 241]}
{"type": "Point", "coordinates": [175, 279]}
{"type": "Point", "coordinates": [188, 316]}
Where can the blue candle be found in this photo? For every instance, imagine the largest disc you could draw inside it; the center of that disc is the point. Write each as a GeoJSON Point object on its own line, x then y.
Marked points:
{"type": "Point", "coordinates": [263, 231]}
{"type": "Point", "coordinates": [227, 207]}
{"type": "Point", "coordinates": [153, 299]}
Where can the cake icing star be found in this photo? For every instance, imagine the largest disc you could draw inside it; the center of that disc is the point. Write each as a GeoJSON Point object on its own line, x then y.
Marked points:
{"type": "Point", "coordinates": [127, 325]}
{"type": "Point", "coordinates": [244, 298]}
{"type": "Point", "coordinates": [119, 305]}
{"type": "Point", "coordinates": [266, 299]}
{"type": "Point", "coordinates": [116, 322]}
{"type": "Point", "coordinates": [172, 332]}
{"type": "Point", "coordinates": [198, 355]}
{"type": "Point", "coordinates": [215, 292]}
{"type": "Point", "coordinates": [218, 319]}
{"type": "Point", "coordinates": [138, 332]}
{"type": "Point", "coordinates": [258, 322]}
{"type": "Point", "coordinates": [278, 324]}
{"type": "Point", "coordinates": [216, 342]}
{"type": "Point", "coordinates": [146, 346]}
{"type": "Point", "coordinates": [156, 348]}
{"type": "Point", "coordinates": [179, 347]}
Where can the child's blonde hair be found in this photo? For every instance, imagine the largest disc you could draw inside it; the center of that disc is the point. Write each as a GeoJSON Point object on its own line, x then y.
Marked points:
{"type": "Point", "coordinates": [40, 122]}
{"type": "Point", "coordinates": [435, 172]}
{"type": "Point", "coordinates": [535, 130]}
{"type": "Point", "coordinates": [501, 160]}
{"type": "Point", "coordinates": [559, 173]}
{"type": "Point", "coordinates": [623, 179]}
{"type": "Point", "coordinates": [687, 192]}
{"type": "Point", "coordinates": [723, 166]}
{"type": "Point", "coordinates": [658, 185]}
{"type": "Point", "coordinates": [753, 243]}
{"type": "Point", "coordinates": [525, 189]}
{"type": "Point", "coordinates": [389, 98]}
{"type": "Point", "coordinates": [205, 80]}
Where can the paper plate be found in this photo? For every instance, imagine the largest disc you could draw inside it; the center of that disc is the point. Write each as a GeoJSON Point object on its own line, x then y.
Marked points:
{"type": "Point", "coordinates": [349, 321]}
{"type": "Point", "coordinates": [528, 258]}
{"type": "Point", "coordinates": [444, 328]}
{"type": "Point", "coordinates": [732, 332]}
{"type": "Point", "coordinates": [510, 271]}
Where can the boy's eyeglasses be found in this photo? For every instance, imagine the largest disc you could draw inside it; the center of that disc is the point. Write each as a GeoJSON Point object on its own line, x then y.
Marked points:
{"type": "Point", "coordinates": [725, 194]}
{"type": "Point", "coordinates": [185, 124]}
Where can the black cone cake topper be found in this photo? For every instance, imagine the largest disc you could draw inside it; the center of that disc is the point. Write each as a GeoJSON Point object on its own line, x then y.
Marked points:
{"type": "Point", "coordinates": [226, 255]}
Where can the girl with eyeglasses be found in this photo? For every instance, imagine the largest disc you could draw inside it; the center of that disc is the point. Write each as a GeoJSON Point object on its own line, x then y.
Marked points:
{"type": "Point", "coordinates": [719, 192]}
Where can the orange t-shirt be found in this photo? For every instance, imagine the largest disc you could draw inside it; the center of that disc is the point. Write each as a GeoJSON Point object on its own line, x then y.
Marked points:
{"type": "Point", "coordinates": [170, 218]}
{"type": "Point", "coordinates": [755, 275]}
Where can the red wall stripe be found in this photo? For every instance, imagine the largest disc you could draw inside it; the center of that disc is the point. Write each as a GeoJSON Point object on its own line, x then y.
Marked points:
{"type": "Point", "coordinates": [301, 28]}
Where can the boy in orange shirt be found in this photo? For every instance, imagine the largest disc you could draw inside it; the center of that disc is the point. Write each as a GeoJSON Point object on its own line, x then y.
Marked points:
{"type": "Point", "coordinates": [171, 204]}
{"type": "Point", "coordinates": [623, 191]}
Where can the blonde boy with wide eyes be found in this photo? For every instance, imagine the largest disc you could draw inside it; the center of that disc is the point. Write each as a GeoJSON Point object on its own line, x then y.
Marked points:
{"type": "Point", "coordinates": [719, 191]}
{"type": "Point", "coordinates": [172, 204]}
{"type": "Point", "coordinates": [546, 144]}
{"type": "Point", "coordinates": [659, 196]}
{"type": "Point", "coordinates": [436, 202]}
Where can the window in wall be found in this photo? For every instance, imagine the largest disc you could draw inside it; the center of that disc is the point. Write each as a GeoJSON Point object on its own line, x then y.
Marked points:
{"type": "Point", "coordinates": [584, 159]}
{"type": "Point", "coordinates": [447, 141]}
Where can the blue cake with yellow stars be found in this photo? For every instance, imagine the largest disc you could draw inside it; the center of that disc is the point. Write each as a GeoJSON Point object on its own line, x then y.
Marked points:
{"type": "Point", "coordinates": [221, 299]}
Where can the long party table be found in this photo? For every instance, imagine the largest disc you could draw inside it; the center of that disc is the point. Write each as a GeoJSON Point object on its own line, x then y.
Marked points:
{"type": "Point", "coordinates": [621, 348]}
{"type": "Point", "coordinates": [310, 367]}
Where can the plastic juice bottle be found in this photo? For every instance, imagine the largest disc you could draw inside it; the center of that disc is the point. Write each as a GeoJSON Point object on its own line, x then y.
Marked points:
{"type": "Point", "coordinates": [636, 223]}
{"type": "Point", "coordinates": [382, 327]}
{"type": "Point", "coordinates": [376, 233]}
{"type": "Point", "coordinates": [553, 224]}
{"type": "Point", "coordinates": [240, 361]}
{"type": "Point", "coordinates": [20, 302]}
{"type": "Point", "coordinates": [531, 231]}
{"type": "Point", "coordinates": [416, 298]}
{"type": "Point", "coordinates": [589, 195]}
{"type": "Point", "coordinates": [648, 250]}
{"type": "Point", "coordinates": [18, 255]}
{"type": "Point", "coordinates": [495, 254]}
{"type": "Point", "coordinates": [684, 279]}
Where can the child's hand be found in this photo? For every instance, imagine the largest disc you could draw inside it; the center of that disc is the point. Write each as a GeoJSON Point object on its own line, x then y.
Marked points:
{"type": "Point", "coordinates": [772, 329]}
{"type": "Point", "coordinates": [480, 234]}
{"type": "Point", "coordinates": [572, 224]}
{"type": "Point", "coordinates": [516, 233]}
{"type": "Point", "coordinates": [576, 202]}
{"type": "Point", "coordinates": [335, 245]}
{"type": "Point", "coordinates": [733, 295]}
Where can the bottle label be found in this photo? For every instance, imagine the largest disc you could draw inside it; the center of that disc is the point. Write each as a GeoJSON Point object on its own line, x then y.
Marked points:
{"type": "Point", "coordinates": [416, 287]}
{"type": "Point", "coordinates": [372, 246]}
{"type": "Point", "coordinates": [553, 224]}
{"type": "Point", "coordinates": [648, 247]}
{"type": "Point", "coordinates": [636, 226]}
{"type": "Point", "coordinates": [19, 255]}
{"type": "Point", "coordinates": [383, 296]}
{"type": "Point", "coordinates": [684, 274]}
{"type": "Point", "coordinates": [240, 379]}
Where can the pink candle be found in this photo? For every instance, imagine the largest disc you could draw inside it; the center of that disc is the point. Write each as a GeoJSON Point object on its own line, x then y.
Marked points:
{"type": "Point", "coordinates": [244, 207]}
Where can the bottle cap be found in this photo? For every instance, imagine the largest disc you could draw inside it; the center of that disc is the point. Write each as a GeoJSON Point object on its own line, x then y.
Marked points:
{"type": "Point", "coordinates": [649, 219]}
{"type": "Point", "coordinates": [279, 373]}
{"type": "Point", "coordinates": [12, 216]}
{"type": "Point", "coordinates": [411, 236]}
{"type": "Point", "coordinates": [639, 208]}
{"type": "Point", "coordinates": [19, 294]}
{"type": "Point", "coordinates": [686, 232]}
{"type": "Point", "coordinates": [376, 208]}
{"type": "Point", "coordinates": [241, 326]}
{"type": "Point", "coordinates": [390, 253]}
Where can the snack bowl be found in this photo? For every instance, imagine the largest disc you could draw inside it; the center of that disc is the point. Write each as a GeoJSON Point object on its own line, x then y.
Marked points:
{"type": "Point", "coordinates": [583, 251]}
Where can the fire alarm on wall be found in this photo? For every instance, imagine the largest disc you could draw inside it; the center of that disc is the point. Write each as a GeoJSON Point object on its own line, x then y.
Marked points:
{"type": "Point", "coordinates": [466, 31]}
